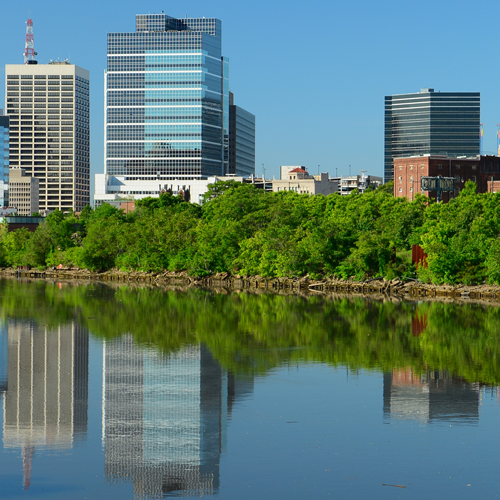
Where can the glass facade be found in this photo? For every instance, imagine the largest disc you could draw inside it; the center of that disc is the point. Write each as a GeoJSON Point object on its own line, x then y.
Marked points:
{"type": "Point", "coordinates": [241, 142]}
{"type": "Point", "coordinates": [430, 122]}
{"type": "Point", "coordinates": [165, 418]}
{"type": "Point", "coordinates": [4, 160]}
{"type": "Point", "coordinates": [167, 100]}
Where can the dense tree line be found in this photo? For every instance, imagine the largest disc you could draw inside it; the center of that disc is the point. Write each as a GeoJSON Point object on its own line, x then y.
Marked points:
{"type": "Point", "coordinates": [246, 231]}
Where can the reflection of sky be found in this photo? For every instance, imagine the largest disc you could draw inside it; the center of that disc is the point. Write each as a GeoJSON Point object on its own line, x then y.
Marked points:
{"type": "Point", "coordinates": [308, 431]}
{"type": "Point", "coordinates": [4, 356]}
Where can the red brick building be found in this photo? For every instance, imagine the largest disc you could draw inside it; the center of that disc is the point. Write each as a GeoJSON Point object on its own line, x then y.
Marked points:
{"type": "Point", "coordinates": [483, 170]}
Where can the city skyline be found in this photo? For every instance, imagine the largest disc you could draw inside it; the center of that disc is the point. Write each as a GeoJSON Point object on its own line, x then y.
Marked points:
{"type": "Point", "coordinates": [345, 72]}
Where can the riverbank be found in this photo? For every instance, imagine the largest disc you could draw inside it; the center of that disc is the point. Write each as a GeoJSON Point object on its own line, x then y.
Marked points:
{"type": "Point", "coordinates": [394, 288]}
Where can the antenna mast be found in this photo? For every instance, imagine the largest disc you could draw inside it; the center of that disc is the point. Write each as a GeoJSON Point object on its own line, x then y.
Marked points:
{"type": "Point", "coordinates": [29, 48]}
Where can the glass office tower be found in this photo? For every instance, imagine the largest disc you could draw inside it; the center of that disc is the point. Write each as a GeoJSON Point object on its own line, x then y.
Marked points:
{"type": "Point", "coordinates": [241, 140]}
{"type": "Point", "coordinates": [430, 122]}
{"type": "Point", "coordinates": [167, 100]}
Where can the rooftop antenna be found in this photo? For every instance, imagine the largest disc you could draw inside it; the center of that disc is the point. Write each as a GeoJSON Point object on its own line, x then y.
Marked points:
{"type": "Point", "coordinates": [29, 48]}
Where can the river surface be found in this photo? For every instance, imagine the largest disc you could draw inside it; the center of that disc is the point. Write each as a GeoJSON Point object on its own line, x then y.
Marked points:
{"type": "Point", "coordinates": [135, 393]}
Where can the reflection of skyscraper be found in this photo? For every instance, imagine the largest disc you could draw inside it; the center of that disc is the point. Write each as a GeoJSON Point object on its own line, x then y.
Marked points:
{"type": "Point", "coordinates": [165, 418]}
{"type": "Point", "coordinates": [430, 396]}
{"type": "Point", "coordinates": [4, 357]}
{"type": "Point", "coordinates": [47, 387]}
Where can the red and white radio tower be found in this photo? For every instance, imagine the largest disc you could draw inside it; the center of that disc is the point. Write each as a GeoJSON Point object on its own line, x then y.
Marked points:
{"type": "Point", "coordinates": [29, 50]}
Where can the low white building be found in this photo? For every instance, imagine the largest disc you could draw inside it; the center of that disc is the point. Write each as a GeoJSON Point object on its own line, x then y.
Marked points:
{"type": "Point", "coordinates": [359, 183]}
{"type": "Point", "coordinates": [117, 189]}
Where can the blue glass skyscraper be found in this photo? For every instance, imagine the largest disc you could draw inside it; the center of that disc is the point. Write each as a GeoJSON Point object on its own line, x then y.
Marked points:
{"type": "Point", "coordinates": [167, 100]}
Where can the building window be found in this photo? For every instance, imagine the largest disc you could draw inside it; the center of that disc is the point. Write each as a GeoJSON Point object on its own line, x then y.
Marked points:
{"type": "Point", "coordinates": [440, 166]}
{"type": "Point", "coordinates": [400, 190]}
{"type": "Point", "coordinates": [400, 179]}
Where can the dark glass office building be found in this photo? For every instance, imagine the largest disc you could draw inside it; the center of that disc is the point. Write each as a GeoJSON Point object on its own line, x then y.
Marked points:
{"type": "Point", "coordinates": [167, 100]}
{"type": "Point", "coordinates": [430, 122]}
{"type": "Point", "coordinates": [241, 140]}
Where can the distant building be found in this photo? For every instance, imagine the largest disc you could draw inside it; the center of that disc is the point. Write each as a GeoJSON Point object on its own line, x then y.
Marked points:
{"type": "Point", "coordinates": [298, 179]}
{"type": "Point", "coordinates": [48, 107]}
{"type": "Point", "coordinates": [4, 160]}
{"type": "Point", "coordinates": [482, 170]}
{"type": "Point", "coordinates": [241, 140]}
{"type": "Point", "coordinates": [23, 192]}
{"type": "Point", "coordinates": [358, 183]}
{"type": "Point", "coordinates": [428, 122]}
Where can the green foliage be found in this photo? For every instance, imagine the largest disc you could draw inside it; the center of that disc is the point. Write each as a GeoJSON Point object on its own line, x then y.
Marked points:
{"type": "Point", "coordinates": [256, 332]}
{"type": "Point", "coordinates": [15, 246]}
{"type": "Point", "coordinates": [245, 230]}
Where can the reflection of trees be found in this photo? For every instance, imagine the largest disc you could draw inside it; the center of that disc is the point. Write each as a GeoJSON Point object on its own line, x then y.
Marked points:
{"type": "Point", "coordinates": [255, 333]}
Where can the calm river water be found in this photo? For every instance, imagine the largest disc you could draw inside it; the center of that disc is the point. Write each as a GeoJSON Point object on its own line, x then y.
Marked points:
{"type": "Point", "coordinates": [137, 393]}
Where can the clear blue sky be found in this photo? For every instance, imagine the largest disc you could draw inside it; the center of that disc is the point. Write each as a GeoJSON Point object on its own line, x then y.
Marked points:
{"type": "Point", "coordinates": [314, 73]}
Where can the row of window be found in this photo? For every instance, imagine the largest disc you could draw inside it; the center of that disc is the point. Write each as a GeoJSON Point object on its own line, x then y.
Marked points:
{"type": "Point", "coordinates": [39, 77]}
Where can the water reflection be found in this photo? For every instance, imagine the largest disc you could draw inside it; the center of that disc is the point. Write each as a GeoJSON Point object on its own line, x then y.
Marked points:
{"type": "Point", "coordinates": [430, 396]}
{"type": "Point", "coordinates": [46, 390]}
{"type": "Point", "coordinates": [165, 417]}
{"type": "Point", "coordinates": [175, 364]}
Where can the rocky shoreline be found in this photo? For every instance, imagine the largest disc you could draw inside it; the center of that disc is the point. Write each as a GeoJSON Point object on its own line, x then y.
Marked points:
{"type": "Point", "coordinates": [394, 288]}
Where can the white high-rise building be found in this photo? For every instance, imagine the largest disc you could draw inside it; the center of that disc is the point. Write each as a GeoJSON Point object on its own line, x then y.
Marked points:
{"type": "Point", "coordinates": [48, 108]}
